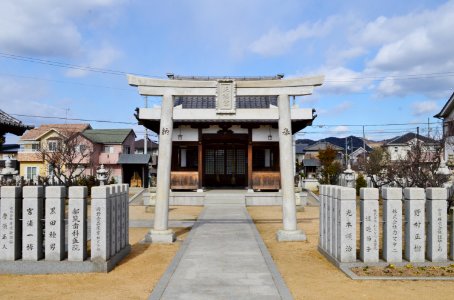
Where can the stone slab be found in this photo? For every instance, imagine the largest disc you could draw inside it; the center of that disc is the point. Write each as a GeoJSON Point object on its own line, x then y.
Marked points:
{"type": "Point", "coordinates": [62, 267]}
{"type": "Point", "coordinates": [222, 258]}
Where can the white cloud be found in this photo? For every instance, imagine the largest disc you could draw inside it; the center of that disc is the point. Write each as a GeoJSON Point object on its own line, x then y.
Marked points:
{"type": "Point", "coordinates": [424, 107]}
{"type": "Point", "coordinates": [45, 27]}
{"type": "Point", "coordinates": [341, 129]}
{"type": "Point", "coordinates": [276, 42]}
{"type": "Point", "coordinates": [98, 58]}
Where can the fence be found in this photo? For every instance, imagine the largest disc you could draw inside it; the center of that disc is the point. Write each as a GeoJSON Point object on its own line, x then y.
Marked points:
{"type": "Point", "coordinates": [35, 237]}
{"type": "Point", "coordinates": [416, 231]}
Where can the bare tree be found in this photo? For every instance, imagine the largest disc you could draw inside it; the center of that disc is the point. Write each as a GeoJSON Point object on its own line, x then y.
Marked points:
{"type": "Point", "coordinates": [417, 168]}
{"type": "Point", "coordinates": [67, 156]}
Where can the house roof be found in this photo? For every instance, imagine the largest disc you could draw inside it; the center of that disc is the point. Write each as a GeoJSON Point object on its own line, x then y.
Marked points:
{"type": "Point", "coordinates": [139, 144]}
{"type": "Point", "coordinates": [202, 102]}
{"type": "Point", "coordinates": [299, 148]}
{"type": "Point", "coordinates": [12, 125]}
{"type": "Point", "coordinates": [107, 136]}
{"type": "Point", "coordinates": [322, 145]}
{"type": "Point", "coordinates": [447, 108]}
{"type": "Point", "coordinates": [134, 159]}
{"type": "Point", "coordinates": [36, 133]}
{"type": "Point", "coordinates": [311, 162]}
{"type": "Point", "coordinates": [9, 148]}
{"type": "Point", "coordinates": [404, 139]}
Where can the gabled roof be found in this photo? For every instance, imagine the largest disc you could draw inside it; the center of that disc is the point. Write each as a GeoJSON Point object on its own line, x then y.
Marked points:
{"type": "Point", "coordinates": [37, 133]}
{"type": "Point", "coordinates": [447, 108]}
{"type": "Point", "coordinates": [300, 148]}
{"type": "Point", "coordinates": [107, 136]}
{"type": "Point", "coordinates": [134, 159]}
{"type": "Point", "coordinates": [311, 162]}
{"type": "Point", "coordinates": [404, 139]}
{"type": "Point", "coordinates": [323, 146]}
{"type": "Point", "coordinates": [139, 144]}
{"type": "Point", "coordinates": [12, 125]}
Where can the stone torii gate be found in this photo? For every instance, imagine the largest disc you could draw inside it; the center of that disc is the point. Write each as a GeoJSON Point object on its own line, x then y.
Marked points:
{"type": "Point", "coordinates": [225, 90]}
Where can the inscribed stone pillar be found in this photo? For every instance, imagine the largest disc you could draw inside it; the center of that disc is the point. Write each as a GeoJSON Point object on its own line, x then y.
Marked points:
{"type": "Point", "coordinates": [127, 213]}
{"type": "Point", "coordinates": [100, 223]}
{"type": "Point", "coordinates": [392, 224]}
{"type": "Point", "coordinates": [118, 199]}
{"type": "Point", "coordinates": [328, 221]}
{"type": "Point", "coordinates": [77, 223]}
{"type": "Point", "coordinates": [124, 202]}
{"type": "Point", "coordinates": [113, 219]}
{"type": "Point", "coordinates": [160, 233]}
{"type": "Point", "coordinates": [437, 227]}
{"type": "Point", "coordinates": [369, 225]}
{"type": "Point", "coordinates": [321, 229]}
{"type": "Point", "coordinates": [452, 234]}
{"type": "Point", "coordinates": [290, 231]}
{"type": "Point", "coordinates": [55, 223]}
{"type": "Point", "coordinates": [415, 234]}
{"type": "Point", "coordinates": [32, 227]}
{"type": "Point", "coordinates": [346, 229]}
{"type": "Point", "coordinates": [10, 223]}
{"type": "Point", "coordinates": [335, 220]}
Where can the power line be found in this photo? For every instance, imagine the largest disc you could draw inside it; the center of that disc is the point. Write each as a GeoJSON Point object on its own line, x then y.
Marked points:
{"type": "Point", "coordinates": [68, 65]}
{"type": "Point", "coordinates": [68, 82]}
{"type": "Point", "coordinates": [75, 119]}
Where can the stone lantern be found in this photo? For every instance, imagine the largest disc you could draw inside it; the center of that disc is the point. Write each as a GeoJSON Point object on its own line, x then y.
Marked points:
{"type": "Point", "coordinates": [101, 175]}
{"type": "Point", "coordinates": [8, 172]}
{"type": "Point", "coordinates": [349, 176]}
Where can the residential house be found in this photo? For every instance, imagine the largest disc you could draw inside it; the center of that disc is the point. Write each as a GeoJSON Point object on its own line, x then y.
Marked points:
{"type": "Point", "coordinates": [447, 115]}
{"type": "Point", "coordinates": [313, 150]}
{"type": "Point", "coordinates": [46, 136]}
{"type": "Point", "coordinates": [152, 148]}
{"type": "Point", "coordinates": [399, 146]}
{"type": "Point", "coordinates": [108, 145]}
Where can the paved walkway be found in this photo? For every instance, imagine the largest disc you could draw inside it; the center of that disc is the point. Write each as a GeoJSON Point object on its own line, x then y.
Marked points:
{"type": "Point", "coordinates": [223, 257]}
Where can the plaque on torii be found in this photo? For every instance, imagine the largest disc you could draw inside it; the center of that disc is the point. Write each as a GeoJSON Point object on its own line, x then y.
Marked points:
{"type": "Point", "coordinates": [225, 97]}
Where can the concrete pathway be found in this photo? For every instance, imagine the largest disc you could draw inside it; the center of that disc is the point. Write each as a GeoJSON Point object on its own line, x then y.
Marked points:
{"type": "Point", "coordinates": [223, 257]}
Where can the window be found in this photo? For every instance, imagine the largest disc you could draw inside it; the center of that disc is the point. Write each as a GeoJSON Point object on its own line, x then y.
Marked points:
{"type": "Point", "coordinates": [52, 145]}
{"type": "Point", "coordinates": [50, 170]}
{"type": "Point", "coordinates": [81, 148]}
{"type": "Point", "coordinates": [126, 150]}
{"type": "Point", "coordinates": [35, 147]}
{"type": "Point", "coordinates": [32, 172]}
{"type": "Point", "coordinates": [396, 149]}
{"type": "Point", "coordinates": [108, 149]}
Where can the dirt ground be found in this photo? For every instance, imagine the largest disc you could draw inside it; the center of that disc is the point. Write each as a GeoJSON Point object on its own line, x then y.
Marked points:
{"type": "Point", "coordinates": [133, 278]}
{"type": "Point", "coordinates": [310, 276]}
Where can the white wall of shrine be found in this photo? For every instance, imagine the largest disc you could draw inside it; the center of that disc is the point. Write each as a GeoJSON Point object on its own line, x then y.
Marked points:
{"type": "Point", "coordinates": [215, 128]}
{"type": "Point", "coordinates": [185, 133]}
{"type": "Point", "coordinates": [262, 134]}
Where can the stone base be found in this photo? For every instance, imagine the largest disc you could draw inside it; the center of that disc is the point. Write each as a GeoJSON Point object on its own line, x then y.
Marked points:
{"type": "Point", "coordinates": [290, 235]}
{"type": "Point", "coordinates": [160, 237]}
{"type": "Point", "coordinates": [200, 190]}
{"type": "Point", "coordinates": [250, 190]}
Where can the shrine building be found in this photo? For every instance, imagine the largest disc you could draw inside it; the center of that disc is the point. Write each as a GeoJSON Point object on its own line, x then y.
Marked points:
{"type": "Point", "coordinates": [225, 133]}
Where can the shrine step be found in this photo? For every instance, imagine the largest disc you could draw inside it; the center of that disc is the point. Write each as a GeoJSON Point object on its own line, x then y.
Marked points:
{"type": "Point", "coordinates": [225, 198]}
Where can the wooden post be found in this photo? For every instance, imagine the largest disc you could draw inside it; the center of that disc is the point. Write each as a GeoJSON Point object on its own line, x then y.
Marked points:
{"type": "Point", "coordinates": [249, 160]}
{"type": "Point", "coordinates": [200, 159]}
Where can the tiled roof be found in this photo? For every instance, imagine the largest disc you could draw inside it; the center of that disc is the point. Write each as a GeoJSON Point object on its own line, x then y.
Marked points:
{"type": "Point", "coordinates": [311, 162]}
{"type": "Point", "coordinates": [323, 146]}
{"type": "Point", "coordinates": [134, 159]}
{"type": "Point", "coordinates": [139, 144]}
{"type": "Point", "coordinates": [11, 125]}
{"type": "Point", "coordinates": [209, 102]}
{"type": "Point", "coordinates": [107, 136]}
{"type": "Point", "coordinates": [404, 139]}
{"type": "Point", "coordinates": [35, 133]}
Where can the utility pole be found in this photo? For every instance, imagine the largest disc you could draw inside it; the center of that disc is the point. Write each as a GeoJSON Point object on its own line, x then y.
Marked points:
{"type": "Point", "coordinates": [428, 127]}
{"type": "Point", "coordinates": [145, 139]}
{"type": "Point", "coordinates": [346, 155]}
{"type": "Point", "coordinates": [364, 145]}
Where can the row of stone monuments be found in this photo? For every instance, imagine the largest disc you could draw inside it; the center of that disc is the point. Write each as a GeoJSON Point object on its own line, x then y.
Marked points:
{"type": "Point", "coordinates": [425, 228]}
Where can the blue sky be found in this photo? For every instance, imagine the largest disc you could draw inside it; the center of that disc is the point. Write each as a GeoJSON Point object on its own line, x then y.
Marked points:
{"type": "Point", "coordinates": [385, 62]}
